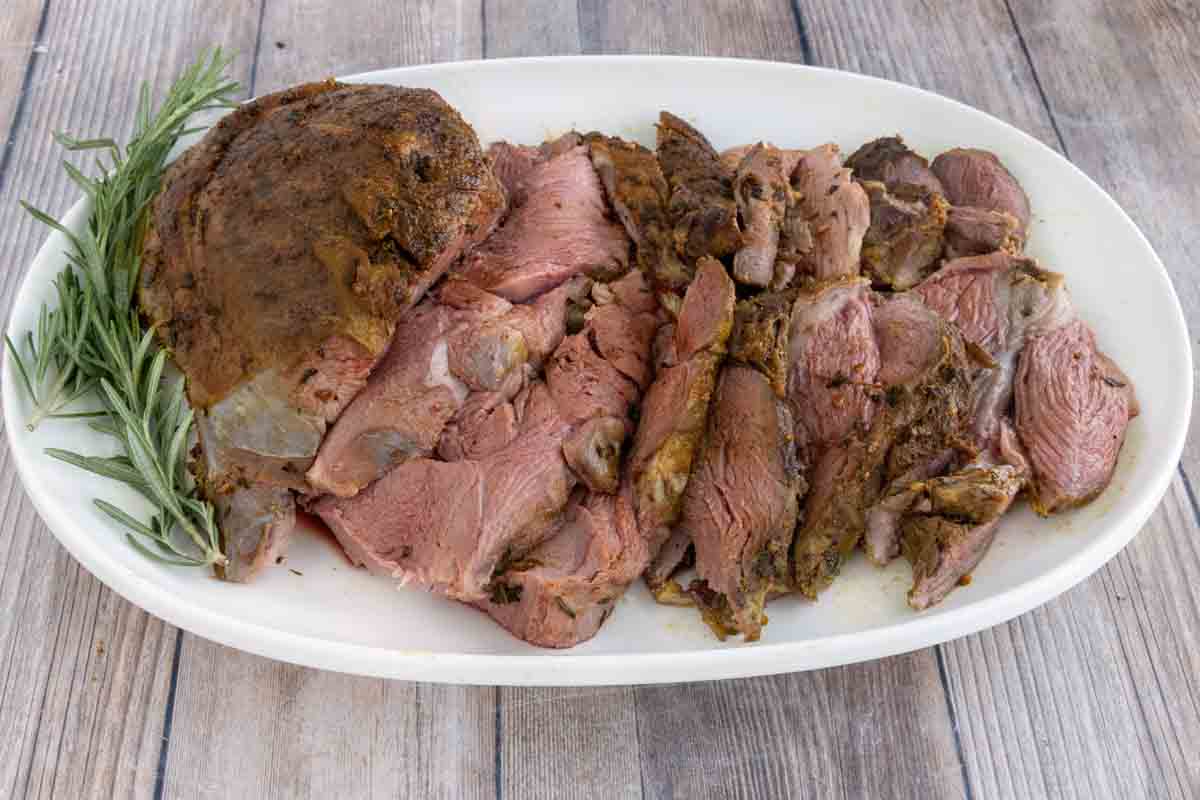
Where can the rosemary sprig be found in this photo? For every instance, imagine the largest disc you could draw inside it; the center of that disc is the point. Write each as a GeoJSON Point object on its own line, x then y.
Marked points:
{"type": "Point", "coordinates": [94, 338]}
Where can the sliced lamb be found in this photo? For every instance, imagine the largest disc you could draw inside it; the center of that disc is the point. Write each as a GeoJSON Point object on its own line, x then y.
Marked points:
{"type": "Point", "coordinates": [833, 364]}
{"type": "Point", "coordinates": [557, 226]}
{"type": "Point", "coordinates": [1072, 409]}
{"type": "Point", "coordinates": [978, 231]}
{"type": "Point", "coordinates": [761, 337]}
{"type": "Point", "coordinates": [957, 522]}
{"type": "Point", "coordinates": [563, 591]}
{"type": "Point", "coordinates": [463, 339]}
{"type": "Point", "coordinates": [675, 409]}
{"type": "Point", "coordinates": [977, 179]}
{"type": "Point", "coordinates": [918, 348]}
{"type": "Point", "coordinates": [889, 161]}
{"type": "Point", "coordinates": [452, 526]}
{"type": "Point", "coordinates": [926, 375]}
{"type": "Point", "coordinates": [904, 241]}
{"type": "Point", "coordinates": [741, 502]}
{"type": "Point", "coordinates": [761, 187]}
{"type": "Point", "coordinates": [702, 206]}
{"type": "Point", "coordinates": [836, 211]}
{"type": "Point", "coordinates": [640, 196]}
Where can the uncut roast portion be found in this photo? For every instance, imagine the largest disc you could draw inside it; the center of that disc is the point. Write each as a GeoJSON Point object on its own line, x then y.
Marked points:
{"type": "Point", "coordinates": [521, 377]}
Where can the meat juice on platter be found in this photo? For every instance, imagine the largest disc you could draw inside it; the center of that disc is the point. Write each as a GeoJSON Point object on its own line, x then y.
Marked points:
{"type": "Point", "coordinates": [524, 376]}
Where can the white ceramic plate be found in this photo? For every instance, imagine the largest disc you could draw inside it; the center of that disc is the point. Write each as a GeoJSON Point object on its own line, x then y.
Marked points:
{"type": "Point", "coordinates": [335, 617]}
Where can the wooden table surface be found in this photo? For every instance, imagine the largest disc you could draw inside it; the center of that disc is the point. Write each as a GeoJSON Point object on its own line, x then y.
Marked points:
{"type": "Point", "coordinates": [1094, 695]}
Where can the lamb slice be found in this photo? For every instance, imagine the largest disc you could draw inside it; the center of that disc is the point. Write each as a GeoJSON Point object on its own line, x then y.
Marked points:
{"type": "Point", "coordinates": [511, 163]}
{"type": "Point", "coordinates": [702, 206]}
{"type": "Point", "coordinates": [400, 414]}
{"type": "Point", "coordinates": [979, 231]}
{"type": "Point", "coordinates": [640, 196]}
{"type": "Point", "coordinates": [890, 161]}
{"type": "Point", "coordinates": [978, 179]}
{"type": "Point", "coordinates": [761, 186]}
{"type": "Point", "coordinates": [561, 593]}
{"type": "Point", "coordinates": [905, 238]}
{"type": "Point", "coordinates": [675, 408]}
{"type": "Point", "coordinates": [1072, 410]}
{"type": "Point", "coordinates": [960, 515]}
{"type": "Point", "coordinates": [557, 227]}
{"type": "Point", "coordinates": [912, 349]}
{"type": "Point", "coordinates": [741, 502]}
{"type": "Point", "coordinates": [973, 292]}
{"type": "Point", "coordinates": [761, 335]}
{"type": "Point", "coordinates": [833, 364]}
{"type": "Point", "coordinates": [926, 410]}
{"type": "Point", "coordinates": [447, 526]}
{"type": "Point", "coordinates": [837, 212]}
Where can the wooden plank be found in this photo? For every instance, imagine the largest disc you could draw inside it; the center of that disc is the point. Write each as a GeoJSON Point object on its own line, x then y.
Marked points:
{"type": "Point", "coordinates": [249, 727]}
{"type": "Point", "coordinates": [869, 730]}
{"type": "Point", "coordinates": [18, 38]}
{"type": "Point", "coordinates": [84, 676]}
{"type": "Point", "coordinates": [537, 28]}
{"type": "Point", "coordinates": [1094, 694]}
{"type": "Point", "coordinates": [753, 29]}
{"type": "Point", "coordinates": [569, 743]}
{"type": "Point", "coordinates": [311, 40]}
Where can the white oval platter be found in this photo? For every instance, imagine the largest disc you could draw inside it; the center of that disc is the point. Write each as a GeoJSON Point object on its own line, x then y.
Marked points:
{"type": "Point", "coordinates": [319, 611]}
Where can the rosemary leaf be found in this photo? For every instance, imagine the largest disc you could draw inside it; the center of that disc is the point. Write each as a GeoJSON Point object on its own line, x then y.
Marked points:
{"type": "Point", "coordinates": [94, 339]}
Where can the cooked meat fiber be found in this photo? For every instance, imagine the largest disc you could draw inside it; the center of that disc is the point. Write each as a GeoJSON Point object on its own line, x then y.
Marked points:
{"type": "Point", "coordinates": [977, 179]}
{"type": "Point", "coordinates": [451, 526]}
{"type": "Point", "coordinates": [1073, 406]}
{"type": "Point", "coordinates": [761, 337]}
{"type": "Point", "coordinates": [926, 382]}
{"type": "Point", "coordinates": [905, 239]}
{"type": "Point", "coordinates": [557, 226]}
{"type": "Point", "coordinates": [978, 231]}
{"type": "Point", "coordinates": [462, 340]}
{"type": "Point", "coordinates": [702, 205]}
{"type": "Point", "coordinates": [675, 409]}
{"type": "Point", "coordinates": [761, 188]}
{"type": "Point", "coordinates": [639, 194]}
{"type": "Point", "coordinates": [561, 592]}
{"type": "Point", "coordinates": [741, 501]}
{"type": "Point", "coordinates": [297, 219]}
{"type": "Point", "coordinates": [889, 161]}
{"type": "Point", "coordinates": [918, 348]}
{"type": "Point", "coordinates": [956, 526]}
{"type": "Point", "coordinates": [833, 364]}
{"type": "Point", "coordinates": [836, 211]}
{"type": "Point", "coordinates": [996, 300]}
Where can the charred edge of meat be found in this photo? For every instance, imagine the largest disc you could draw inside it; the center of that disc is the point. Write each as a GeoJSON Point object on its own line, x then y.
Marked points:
{"type": "Point", "coordinates": [761, 332]}
{"type": "Point", "coordinates": [890, 161]}
{"type": "Point", "coordinates": [702, 204]}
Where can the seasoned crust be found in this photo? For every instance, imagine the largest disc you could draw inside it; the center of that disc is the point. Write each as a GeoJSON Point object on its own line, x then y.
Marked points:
{"type": "Point", "coordinates": [318, 211]}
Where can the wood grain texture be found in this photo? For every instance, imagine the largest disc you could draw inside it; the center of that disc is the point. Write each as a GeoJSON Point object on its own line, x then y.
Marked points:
{"type": "Point", "coordinates": [311, 40]}
{"type": "Point", "coordinates": [18, 38]}
{"type": "Point", "coordinates": [1094, 694]}
{"type": "Point", "coordinates": [84, 676]}
{"type": "Point", "coordinates": [752, 29]}
{"type": "Point", "coordinates": [869, 730]}
{"type": "Point", "coordinates": [569, 743]}
{"type": "Point", "coordinates": [249, 727]}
